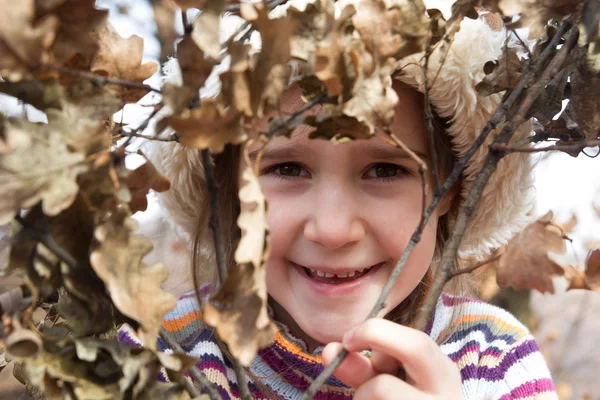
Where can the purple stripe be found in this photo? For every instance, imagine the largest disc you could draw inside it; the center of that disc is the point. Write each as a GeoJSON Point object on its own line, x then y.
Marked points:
{"type": "Point", "coordinates": [286, 370]}
{"type": "Point", "coordinates": [493, 374]}
{"type": "Point", "coordinates": [125, 338]}
{"type": "Point", "coordinates": [530, 388]}
{"type": "Point", "coordinates": [475, 347]}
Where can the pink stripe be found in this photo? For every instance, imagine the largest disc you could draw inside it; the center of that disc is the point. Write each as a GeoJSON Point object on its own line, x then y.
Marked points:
{"type": "Point", "coordinates": [529, 389]}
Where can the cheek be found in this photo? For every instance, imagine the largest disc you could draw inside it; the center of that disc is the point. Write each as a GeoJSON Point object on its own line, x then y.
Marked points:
{"type": "Point", "coordinates": [283, 220]}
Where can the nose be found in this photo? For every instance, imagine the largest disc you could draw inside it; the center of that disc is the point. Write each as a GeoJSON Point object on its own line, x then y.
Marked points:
{"type": "Point", "coordinates": [335, 220]}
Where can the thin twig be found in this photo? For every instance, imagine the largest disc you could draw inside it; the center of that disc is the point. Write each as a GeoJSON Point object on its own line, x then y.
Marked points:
{"type": "Point", "coordinates": [144, 124]}
{"type": "Point", "coordinates": [317, 100]}
{"type": "Point", "coordinates": [429, 113]}
{"type": "Point", "coordinates": [450, 181]}
{"type": "Point", "coordinates": [567, 148]}
{"type": "Point", "coordinates": [209, 387]}
{"type": "Point", "coordinates": [47, 240]}
{"type": "Point", "coordinates": [172, 138]}
{"type": "Point", "coordinates": [492, 159]}
{"type": "Point", "coordinates": [475, 267]}
{"type": "Point", "coordinates": [102, 80]}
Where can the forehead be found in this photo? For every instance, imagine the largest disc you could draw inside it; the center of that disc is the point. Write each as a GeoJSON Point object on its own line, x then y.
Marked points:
{"type": "Point", "coordinates": [408, 126]}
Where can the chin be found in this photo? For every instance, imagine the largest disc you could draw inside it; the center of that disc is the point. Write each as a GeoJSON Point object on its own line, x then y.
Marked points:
{"type": "Point", "coordinates": [327, 328]}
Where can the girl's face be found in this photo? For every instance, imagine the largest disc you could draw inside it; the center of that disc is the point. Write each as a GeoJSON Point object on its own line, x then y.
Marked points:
{"type": "Point", "coordinates": [340, 216]}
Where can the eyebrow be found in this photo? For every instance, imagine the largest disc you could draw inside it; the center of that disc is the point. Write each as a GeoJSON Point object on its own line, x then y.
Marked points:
{"type": "Point", "coordinates": [389, 152]}
{"type": "Point", "coordinates": [297, 150]}
{"type": "Point", "coordinates": [278, 153]}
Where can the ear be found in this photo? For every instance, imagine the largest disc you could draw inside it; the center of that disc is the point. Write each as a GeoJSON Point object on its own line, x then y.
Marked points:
{"type": "Point", "coordinates": [451, 199]}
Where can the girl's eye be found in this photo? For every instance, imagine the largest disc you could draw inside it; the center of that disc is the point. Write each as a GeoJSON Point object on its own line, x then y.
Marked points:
{"type": "Point", "coordinates": [385, 171]}
{"type": "Point", "coordinates": [287, 170]}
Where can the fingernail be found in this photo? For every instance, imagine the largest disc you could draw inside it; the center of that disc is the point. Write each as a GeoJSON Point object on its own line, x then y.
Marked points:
{"type": "Point", "coordinates": [348, 336]}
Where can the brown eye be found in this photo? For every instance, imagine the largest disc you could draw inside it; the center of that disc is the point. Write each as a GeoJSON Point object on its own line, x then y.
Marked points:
{"type": "Point", "coordinates": [386, 170]}
{"type": "Point", "coordinates": [289, 169]}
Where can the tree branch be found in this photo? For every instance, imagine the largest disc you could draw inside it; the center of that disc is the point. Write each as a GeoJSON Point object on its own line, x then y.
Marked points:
{"type": "Point", "coordinates": [443, 274]}
{"type": "Point", "coordinates": [567, 148]}
{"type": "Point", "coordinates": [101, 80]}
{"type": "Point", "coordinates": [284, 126]}
{"type": "Point", "coordinates": [209, 387]}
{"type": "Point", "coordinates": [450, 181]}
{"type": "Point", "coordinates": [474, 267]}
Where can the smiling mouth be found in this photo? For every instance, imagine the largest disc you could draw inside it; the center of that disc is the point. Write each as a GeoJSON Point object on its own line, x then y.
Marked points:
{"type": "Point", "coordinates": [338, 278]}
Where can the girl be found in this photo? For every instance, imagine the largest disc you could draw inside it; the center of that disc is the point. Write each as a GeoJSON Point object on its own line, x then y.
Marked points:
{"type": "Point", "coordinates": [340, 216]}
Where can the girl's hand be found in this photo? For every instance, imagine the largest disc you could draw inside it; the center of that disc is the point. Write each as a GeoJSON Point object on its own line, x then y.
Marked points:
{"type": "Point", "coordinates": [430, 374]}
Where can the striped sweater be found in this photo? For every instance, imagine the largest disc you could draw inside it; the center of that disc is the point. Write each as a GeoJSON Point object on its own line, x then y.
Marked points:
{"type": "Point", "coordinates": [497, 356]}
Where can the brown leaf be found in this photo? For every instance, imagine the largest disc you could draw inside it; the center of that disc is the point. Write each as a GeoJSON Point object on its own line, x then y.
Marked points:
{"type": "Point", "coordinates": [141, 180]}
{"type": "Point", "coordinates": [583, 107]}
{"type": "Point", "coordinates": [397, 30]}
{"type": "Point", "coordinates": [501, 74]}
{"type": "Point", "coordinates": [238, 311]}
{"type": "Point", "coordinates": [38, 166]}
{"type": "Point", "coordinates": [236, 80]}
{"type": "Point", "coordinates": [332, 66]}
{"type": "Point", "coordinates": [592, 270]}
{"type": "Point", "coordinates": [526, 263]}
{"type": "Point", "coordinates": [590, 33]}
{"type": "Point", "coordinates": [208, 127]}
{"type": "Point", "coordinates": [205, 32]}
{"type": "Point", "coordinates": [535, 14]}
{"type": "Point", "coordinates": [269, 77]}
{"type": "Point", "coordinates": [133, 285]}
{"type": "Point", "coordinates": [337, 128]}
{"type": "Point", "coordinates": [120, 58]}
{"type": "Point", "coordinates": [77, 19]}
{"type": "Point", "coordinates": [24, 44]}
{"type": "Point", "coordinates": [164, 16]}
{"type": "Point", "coordinates": [195, 69]}
{"type": "Point", "coordinates": [185, 4]}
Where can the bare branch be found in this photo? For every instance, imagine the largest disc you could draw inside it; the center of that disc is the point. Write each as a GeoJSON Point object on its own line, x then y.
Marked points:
{"type": "Point", "coordinates": [205, 383]}
{"type": "Point", "coordinates": [567, 148]}
{"type": "Point", "coordinates": [101, 80]}
{"type": "Point", "coordinates": [443, 273]}
{"type": "Point", "coordinates": [428, 112]}
{"type": "Point", "coordinates": [474, 267]}
{"type": "Point", "coordinates": [172, 138]}
{"type": "Point", "coordinates": [274, 131]}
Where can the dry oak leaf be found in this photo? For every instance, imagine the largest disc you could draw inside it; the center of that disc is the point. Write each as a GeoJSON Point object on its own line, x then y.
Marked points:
{"type": "Point", "coordinates": [526, 263]}
{"type": "Point", "coordinates": [534, 14]}
{"type": "Point", "coordinates": [24, 43]}
{"type": "Point", "coordinates": [73, 39]}
{"type": "Point", "coordinates": [141, 180]}
{"type": "Point", "coordinates": [195, 68]}
{"type": "Point", "coordinates": [164, 16]}
{"type": "Point", "coordinates": [205, 32]}
{"type": "Point", "coordinates": [502, 74]}
{"type": "Point", "coordinates": [36, 165]}
{"type": "Point", "coordinates": [396, 28]}
{"type": "Point", "coordinates": [185, 4]}
{"type": "Point", "coordinates": [121, 58]}
{"type": "Point", "coordinates": [208, 127]}
{"type": "Point", "coordinates": [238, 311]}
{"type": "Point", "coordinates": [588, 279]}
{"type": "Point", "coordinates": [133, 285]}
{"type": "Point", "coordinates": [332, 65]}
{"type": "Point", "coordinates": [269, 77]}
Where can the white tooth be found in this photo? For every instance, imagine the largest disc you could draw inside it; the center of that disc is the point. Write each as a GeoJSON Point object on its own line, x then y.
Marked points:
{"type": "Point", "coordinates": [320, 273]}
{"type": "Point", "coordinates": [351, 274]}
{"type": "Point", "coordinates": [341, 275]}
{"type": "Point", "coordinates": [328, 275]}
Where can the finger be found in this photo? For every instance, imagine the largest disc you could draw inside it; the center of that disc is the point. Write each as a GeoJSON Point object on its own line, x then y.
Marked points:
{"type": "Point", "coordinates": [388, 387]}
{"type": "Point", "coordinates": [419, 355]}
{"type": "Point", "coordinates": [384, 363]}
{"type": "Point", "coordinates": [354, 371]}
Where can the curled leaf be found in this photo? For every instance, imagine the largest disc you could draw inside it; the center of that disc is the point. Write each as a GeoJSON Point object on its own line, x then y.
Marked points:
{"type": "Point", "coordinates": [133, 285]}
{"type": "Point", "coordinates": [238, 311]}
{"type": "Point", "coordinates": [527, 262]}
{"type": "Point", "coordinates": [141, 180]}
{"type": "Point", "coordinates": [208, 127]}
